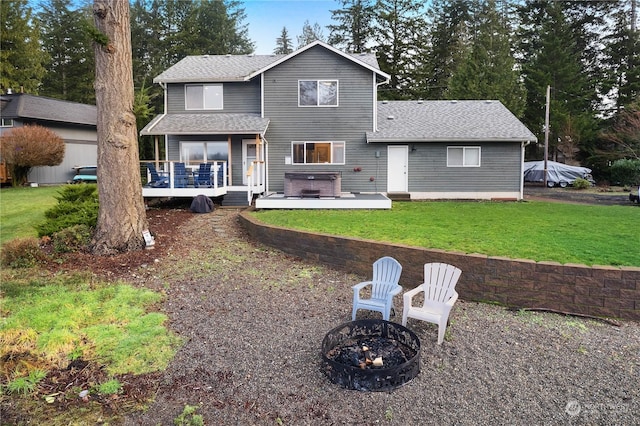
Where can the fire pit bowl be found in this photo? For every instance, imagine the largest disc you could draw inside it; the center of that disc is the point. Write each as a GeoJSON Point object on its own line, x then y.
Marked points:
{"type": "Point", "coordinates": [371, 355]}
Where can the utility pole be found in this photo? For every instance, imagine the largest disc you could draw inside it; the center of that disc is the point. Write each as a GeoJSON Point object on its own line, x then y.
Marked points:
{"type": "Point", "coordinates": [546, 136]}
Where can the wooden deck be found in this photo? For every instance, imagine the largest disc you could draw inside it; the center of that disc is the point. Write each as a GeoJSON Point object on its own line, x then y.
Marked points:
{"type": "Point", "coordinates": [346, 200]}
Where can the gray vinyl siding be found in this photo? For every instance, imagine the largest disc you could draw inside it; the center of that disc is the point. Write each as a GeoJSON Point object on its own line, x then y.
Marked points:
{"type": "Point", "coordinates": [347, 122]}
{"type": "Point", "coordinates": [499, 168]}
{"type": "Point", "coordinates": [238, 98]}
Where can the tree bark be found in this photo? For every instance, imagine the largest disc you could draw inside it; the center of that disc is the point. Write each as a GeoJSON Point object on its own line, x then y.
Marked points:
{"type": "Point", "coordinates": [121, 217]}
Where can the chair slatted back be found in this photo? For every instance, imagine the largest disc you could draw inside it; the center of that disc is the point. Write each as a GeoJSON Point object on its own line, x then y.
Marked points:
{"type": "Point", "coordinates": [204, 174]}
{"type": "Point", "coordinates": [155, 177]}
{"type": "Point", "coordinates": [386, 274]}
{"type": "Point", "coordinates": [180, 179]}
{"type": "Point", "coordinates": [440, 280]}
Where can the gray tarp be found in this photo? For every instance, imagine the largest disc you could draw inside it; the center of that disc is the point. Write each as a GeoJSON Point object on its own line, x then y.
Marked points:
{"type": "Point", "coordinates": [557, 173]}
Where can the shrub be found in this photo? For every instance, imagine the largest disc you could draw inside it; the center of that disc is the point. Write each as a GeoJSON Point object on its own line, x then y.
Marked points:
{"type": "Point", "coordinates": [580, 183]}
{"type": "Point", "coordinates": [30, 146]}
{"type": "Point", "coordinates": [626, 172]}
{"type": "Point", "coordinates": [77, 205]}
{"type": "Point", "coordinates": [21, 253]}
{"type": "Point", "coordinates": [72, 238]}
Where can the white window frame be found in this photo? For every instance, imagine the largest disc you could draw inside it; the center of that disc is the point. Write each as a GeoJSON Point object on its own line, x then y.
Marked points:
{"type": "Point", "coordinates": [318, 86]}
{"type": "Point", "coordinates": [218, 91]}
{"type": "Point", "coordinates": [335, 146]}
{"type": "Point", "coordinates": [6, 122]}
{"type": "Point", "coordinates": [465, 158]}
{"type": "Point", "coordinates": [205, 154]}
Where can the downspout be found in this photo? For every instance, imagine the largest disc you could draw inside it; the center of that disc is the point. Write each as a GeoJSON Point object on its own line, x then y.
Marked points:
{"type": "Point", "coordinates": [375, 101]}
{"type": "Point", "coordinates": [524, 144]}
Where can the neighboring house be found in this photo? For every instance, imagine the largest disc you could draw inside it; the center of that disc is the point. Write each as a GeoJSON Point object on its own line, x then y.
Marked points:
{"type": "Point", "coordinates": [75, 123]}
{"type": "Point", "coordinates": [312, 127]}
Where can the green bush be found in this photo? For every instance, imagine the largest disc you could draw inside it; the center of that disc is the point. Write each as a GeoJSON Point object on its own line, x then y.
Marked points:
{"type": "Point", "coordinates": [77, 205]}
{"type": "Point", "coordinates": [580, 183]}
{"type": "Point", "coordinates": [71, 239]}
{"type": "Point", "coordinates": [21, 253]}
{"type": "Point", "coordinates": [626, 172]}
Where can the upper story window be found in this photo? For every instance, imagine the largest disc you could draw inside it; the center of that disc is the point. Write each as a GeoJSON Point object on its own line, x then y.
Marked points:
{"type": "Point", "coordinates": [318, 93]}
{"type": "Point", "coordinates": [463, 156]}
{"type": "Point", "coordinates": [6, 122]}
{"type": "Point", "coordinates": [203, 96]}
{"type": "Point", "coordinates": [318, 152]}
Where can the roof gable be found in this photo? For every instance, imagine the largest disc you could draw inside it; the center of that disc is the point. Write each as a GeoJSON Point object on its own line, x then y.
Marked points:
{"type": "Point", "coordinates": [448, 121]}
{"type": "Point", "coordinates": [226, 68]}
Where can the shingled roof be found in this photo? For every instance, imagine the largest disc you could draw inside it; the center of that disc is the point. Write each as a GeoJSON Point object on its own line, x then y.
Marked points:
{"type": "Point", "coordinates": [225, 68]}
{"type": "Point", "coordinates": [31, 107]}
{"type": "Point", "coordinates": [193, 124]}
{"type": "Point", "coordinates": [447, 121]}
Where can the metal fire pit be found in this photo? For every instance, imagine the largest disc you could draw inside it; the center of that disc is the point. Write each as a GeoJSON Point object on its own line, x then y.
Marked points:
{"type": "Point", "coordinates": [342, 355]}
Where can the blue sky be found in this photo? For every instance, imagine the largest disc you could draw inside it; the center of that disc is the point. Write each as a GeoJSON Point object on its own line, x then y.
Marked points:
{"type": "Point", "coordinates": [267, 17]}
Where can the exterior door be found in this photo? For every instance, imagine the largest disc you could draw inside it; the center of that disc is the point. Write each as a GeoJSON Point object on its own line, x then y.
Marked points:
{"type": "Point", "coordinates": [397, 168]}
{"type": "Point", "coordinates": [249, 154]}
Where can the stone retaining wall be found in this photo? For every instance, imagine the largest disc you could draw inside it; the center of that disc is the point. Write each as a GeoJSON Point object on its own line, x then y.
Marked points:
{"type": "Point", "coordinates": [600, 290]}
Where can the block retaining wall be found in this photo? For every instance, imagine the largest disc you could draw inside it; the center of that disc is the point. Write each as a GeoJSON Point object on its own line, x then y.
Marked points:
{"type": "Point", "coordinates": [605, 291]}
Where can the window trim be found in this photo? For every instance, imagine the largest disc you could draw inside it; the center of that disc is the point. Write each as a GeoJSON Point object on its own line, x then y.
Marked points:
{"type": "Point", "coordinates": [6, 122]}
{"type": "Point", "coordinates": [219, 85]}
{"type": "Point", "coordinates": [464, 156]}
{"type": "Point", "coordinates": [332, 143]}
{"type": "Point", "coordinates": [318, 105]}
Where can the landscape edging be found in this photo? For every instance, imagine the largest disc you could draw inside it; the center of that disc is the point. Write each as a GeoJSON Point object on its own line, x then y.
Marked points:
{"type": "Point", "coordinates": [604, 291]}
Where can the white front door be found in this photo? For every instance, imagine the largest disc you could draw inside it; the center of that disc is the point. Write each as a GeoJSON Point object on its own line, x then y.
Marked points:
{"type": "Point", "coordinates": [249, 154]}
{"type": "Point", "coordinates": [397, 168]}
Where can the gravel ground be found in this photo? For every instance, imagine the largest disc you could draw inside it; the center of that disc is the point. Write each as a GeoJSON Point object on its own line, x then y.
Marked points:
{"type": "Point", "coordinates": [253, 320]}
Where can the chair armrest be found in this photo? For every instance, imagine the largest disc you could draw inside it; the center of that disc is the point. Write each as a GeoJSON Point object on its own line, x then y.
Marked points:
{"type": "Point", "coordinates": [453, 299]}
{"type": "Point", "coordinates": [360, 286]}
{"type": "Point", "coordinates": [407, 296]}
{"type": "Point", "coordinates": [396, 290]}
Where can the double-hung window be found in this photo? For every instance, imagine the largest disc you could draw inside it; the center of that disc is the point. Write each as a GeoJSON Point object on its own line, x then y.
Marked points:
{"type": "Point", "coordinates": [323, 93]}
{"type": "Point", "coordinates": [203, 96]}
{"type": "Point", "coordinates": [6, 122]}
{"type": "Point", "coordinates": [318, 152]}
{"type": "Point", "coordinates": [463, 156]}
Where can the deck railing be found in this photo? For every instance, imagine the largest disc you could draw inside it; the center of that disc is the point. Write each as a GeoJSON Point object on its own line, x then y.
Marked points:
{"type": "Point", "coordinates": [166, 169]}
{"type": "Point", "coordinates": [255, 179]}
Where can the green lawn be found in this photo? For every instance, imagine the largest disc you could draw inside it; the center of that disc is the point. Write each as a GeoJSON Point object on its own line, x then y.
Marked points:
{"type": "Point", "coordinates": [565, 233]}
{"type": "Point", "coordinates": [22, 208]}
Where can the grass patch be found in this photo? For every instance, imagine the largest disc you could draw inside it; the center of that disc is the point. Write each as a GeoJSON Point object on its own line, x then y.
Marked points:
{"type": "Point", "coordinates": [21, 209]}
{"type": "Point", "coordinates": [49, 321]}
{"type": "Point", "coordinates": [540, 231]}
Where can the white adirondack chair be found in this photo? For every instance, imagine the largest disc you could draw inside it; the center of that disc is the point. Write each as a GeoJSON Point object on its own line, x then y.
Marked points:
{"type": "Point", "coordinates": [384, 285]}
{"type": "Point", "coordinates": [439, 296]}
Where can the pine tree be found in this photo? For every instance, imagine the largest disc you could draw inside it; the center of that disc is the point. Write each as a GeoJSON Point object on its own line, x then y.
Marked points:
{"type": "Point", "coordinates": [399, 33]}
{"type": "Point", "coordinates": [283, 43]}
{"type": "Point", "coordinates": [551, 58]}
{"type": "Point", "coordinates": [354, 30]}
{"type": "Point", "coordinates": [445, 46]}
{"type": "Point", "coordinates": [488, 69]}
{"type": "Point", "coordinates": [310, 34]}
{"type": "Point", "coordinates": [21, 58]}
{"type": "Point", "coordinates": [70, 72]}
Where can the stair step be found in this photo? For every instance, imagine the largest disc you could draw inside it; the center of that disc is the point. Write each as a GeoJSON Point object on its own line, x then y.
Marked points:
{"type": "Point", "coordinates": [399, 196]}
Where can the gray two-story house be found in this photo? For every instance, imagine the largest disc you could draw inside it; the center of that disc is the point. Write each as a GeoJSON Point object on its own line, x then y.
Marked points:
{"type": "Point", "coordinates": [306, 130]}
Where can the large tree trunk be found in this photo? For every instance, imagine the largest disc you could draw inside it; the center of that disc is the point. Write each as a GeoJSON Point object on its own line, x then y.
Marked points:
{"type": "Point", "coordinates": [122, 217]}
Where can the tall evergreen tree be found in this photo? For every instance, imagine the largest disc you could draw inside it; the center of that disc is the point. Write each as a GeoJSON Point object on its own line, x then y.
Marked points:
{"type": "Point", "coordinates": [310, 34]}
{"type": "Point", "coordinates": [622, 56]}
{"type": "Point", "coordinates": [354, 29]}
{"type": "Point", "coordinates": [283, 43]}
{"type": "Point", "coordinates": [551, 58]}
{"type": "Point", "coordinates": [21, 58]}
{"type": "Point", "coordinates": [488, 69]}
{"type": "Point", "coordinates": [399, 33]}
{"type": "Point", "coordinates": [445, 46]}
{"type": "Point", "coordinates": [71, 71]}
